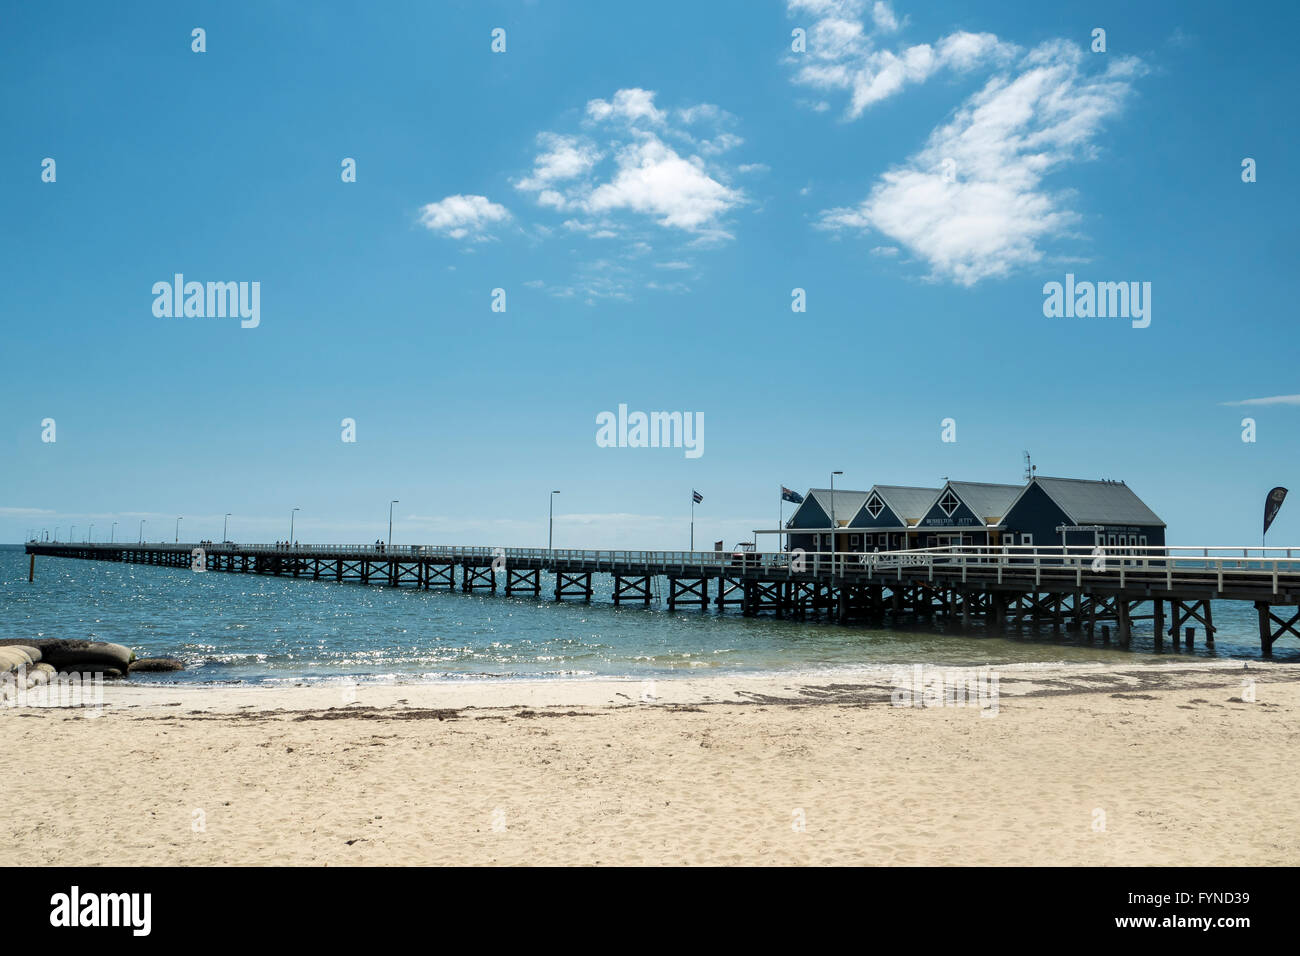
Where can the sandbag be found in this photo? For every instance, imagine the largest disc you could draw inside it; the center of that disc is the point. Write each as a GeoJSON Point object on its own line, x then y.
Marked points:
{"type": "Point", "coordinates": [16, 656]}
{"type": "Point", "coordinates": [86, 656]}
{"type": "Point", "coordinates": [156, 665]}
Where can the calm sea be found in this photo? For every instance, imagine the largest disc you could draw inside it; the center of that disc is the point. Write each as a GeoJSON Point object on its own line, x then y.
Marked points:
{"type": "Point", "coordinates": [251, 629]}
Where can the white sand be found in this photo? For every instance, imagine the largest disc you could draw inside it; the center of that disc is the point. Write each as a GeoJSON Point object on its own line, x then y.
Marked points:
{"type": "Point", "coordinates": [1144, 763]}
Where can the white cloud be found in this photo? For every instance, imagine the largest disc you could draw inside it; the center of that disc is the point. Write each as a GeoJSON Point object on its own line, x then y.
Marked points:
{"type": "Point", "coordinates": [972, 202]}
{"type": "Point", "coordinates": [1272, 400]}
{"type": "Point", "coordinates": [843, 54]}
{"type": "Point", "coordinates": [564, 158]}
{"type": "Point", "coordinates": [882, 14]}
{"type": "Point", "coordinates": [630, 105]}
{"type": "Point", "coordinates": [463, 216]}
{"type": "Point", "coordinates": [636, 169]}
{"type": "Point", "coordinates": [654, 180]}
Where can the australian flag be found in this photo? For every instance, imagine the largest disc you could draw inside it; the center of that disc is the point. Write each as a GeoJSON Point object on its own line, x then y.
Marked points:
{"type": "Point", "coordinates": [696, 496]}
{"type": "Point", "coordinates": [792, 496]}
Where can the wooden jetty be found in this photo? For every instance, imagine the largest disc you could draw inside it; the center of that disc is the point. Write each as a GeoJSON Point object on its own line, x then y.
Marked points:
{"type": "Point", "coordinates": [1004, 587]}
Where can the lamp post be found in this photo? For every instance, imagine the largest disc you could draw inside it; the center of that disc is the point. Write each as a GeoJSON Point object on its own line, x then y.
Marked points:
{"type": "Point", "coordinates": [112, 532]}
{"type": "Point", "coordinates": [833, 474]}
{"type": "Point", "coordinates": [178, 530]}
{"type": "Point", "coordinates": [550, 531]}
{"type": "Point", "coordinates": [390, 519]}
{"type": "Point", "coordinates": [225, 524]}
{"type": "Point", "coordinates": [90, 535]}
{"type": "Point", "coordinates": [142, 521]}
{"type": "Point", "coordinates": [291, 525]}
{"type": "Point", "coordinates": [72, 529]}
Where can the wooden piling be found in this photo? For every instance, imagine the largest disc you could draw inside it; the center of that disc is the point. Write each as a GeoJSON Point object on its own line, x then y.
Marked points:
{"type": "Point", "coordinates": [1265, 629]}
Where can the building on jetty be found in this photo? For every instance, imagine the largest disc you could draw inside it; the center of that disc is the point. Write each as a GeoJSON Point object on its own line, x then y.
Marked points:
{"type": "Point", "coordinates": [1074, 512]}
{"type": "Point", "coordinates": [877, 520]}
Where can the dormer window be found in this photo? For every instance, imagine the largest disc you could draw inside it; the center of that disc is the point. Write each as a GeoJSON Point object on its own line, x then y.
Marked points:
{"type": "Point", "coordinates": [949, 503]}
{"type": "Point", "coordinates": [875, 506]}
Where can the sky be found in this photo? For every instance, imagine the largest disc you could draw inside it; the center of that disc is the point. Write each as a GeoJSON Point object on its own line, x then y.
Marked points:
{"type": "Point", "coordinates": [820, 227]}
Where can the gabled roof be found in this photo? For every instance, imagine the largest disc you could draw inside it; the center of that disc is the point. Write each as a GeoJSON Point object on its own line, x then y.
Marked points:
{"type": "Point", "coordinates": [989, 502]}
{"type": "Point", "coordinates": [1098, 502]}
{"type": "Point", "coordinates": [847, 503]}
{"type": "Point", "coordinates": [908, 503]}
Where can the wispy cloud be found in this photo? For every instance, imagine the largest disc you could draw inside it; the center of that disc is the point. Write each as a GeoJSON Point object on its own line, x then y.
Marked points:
{"type": "Point", "coordinates": [843, 53]}
{"type": "Point", "coordinates": [1271, 400]}
{"type": "Point", "coordinates": [972, 203]}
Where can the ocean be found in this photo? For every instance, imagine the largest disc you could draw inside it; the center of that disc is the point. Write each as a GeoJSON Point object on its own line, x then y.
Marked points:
{"type": "Point", "coordinates": [251, 629]}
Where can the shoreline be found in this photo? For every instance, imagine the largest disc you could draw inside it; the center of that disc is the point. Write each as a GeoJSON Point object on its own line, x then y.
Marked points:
{"type": "Point", "coordinates": [802, 686]}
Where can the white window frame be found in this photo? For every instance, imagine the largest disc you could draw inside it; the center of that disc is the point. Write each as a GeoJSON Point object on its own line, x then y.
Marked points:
{"type": "Point", "coordinates": [956, 503]}
{"type": "Point", "coordinates": [879, 506]}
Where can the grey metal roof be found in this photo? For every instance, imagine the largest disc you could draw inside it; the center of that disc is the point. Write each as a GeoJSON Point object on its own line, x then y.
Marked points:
{"type": "Point", "coordinates": [1098, 502]}
{"type": "Point", "coordinates": [906, 501]}
{"type": "Point", "coordinates": [847, 503]}
{"type": "Point", "coordinates": [989, 501]}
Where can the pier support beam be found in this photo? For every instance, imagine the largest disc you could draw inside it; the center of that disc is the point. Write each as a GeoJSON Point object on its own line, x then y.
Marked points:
{"type": "Point", "coordinates": [1180, 612]}
{"type": "Point", "coordinates": [731, 590]}
{"type": "Point", "coordinates": [634, 588]}
{"type": "Point", "coordinates": [478, 578]}
{"type": "Point", "coordinates": [1267, 635]}
{"type": "Point", "coordinates": [1125, 627]}
{"type": "Point", "coordinates": [440, 574]}
{"type": "Point", "coordinates": [688, 591]}
{"type": "Point", "coordinates": [529, 582]}
{"type": "Point", "coordinates": [575, 585]}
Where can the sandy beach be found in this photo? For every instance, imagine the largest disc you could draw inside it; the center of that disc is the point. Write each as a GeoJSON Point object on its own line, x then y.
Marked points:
{"type": "Point", "coordinates": [1144, 763]}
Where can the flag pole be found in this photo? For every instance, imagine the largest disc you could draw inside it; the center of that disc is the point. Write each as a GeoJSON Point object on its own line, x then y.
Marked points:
{"type": "Point", "coordinates": [780, 516]}
{"type": "Point", "coordinates": [692, 520]}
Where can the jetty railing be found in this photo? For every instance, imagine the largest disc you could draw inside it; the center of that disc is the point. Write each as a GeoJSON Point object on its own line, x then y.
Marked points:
{"type": "Point", "coordinates": [1221, 561]}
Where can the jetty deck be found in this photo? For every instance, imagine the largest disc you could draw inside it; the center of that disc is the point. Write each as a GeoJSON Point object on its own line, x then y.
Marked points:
{"type": "Point", "coordinates": [1071, 588]}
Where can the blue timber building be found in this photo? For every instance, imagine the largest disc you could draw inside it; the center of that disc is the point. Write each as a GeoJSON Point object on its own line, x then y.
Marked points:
{"type": "Point", "coordinates": [1043, 512]}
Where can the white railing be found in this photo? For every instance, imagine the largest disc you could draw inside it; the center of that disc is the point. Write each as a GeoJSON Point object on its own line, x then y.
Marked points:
{"type": "Point", "coordinates": [1219, 562]}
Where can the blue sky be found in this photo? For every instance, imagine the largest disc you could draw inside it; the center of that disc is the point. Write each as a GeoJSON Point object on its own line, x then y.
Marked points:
{"type": "Point", "coordinates": [648, 184]}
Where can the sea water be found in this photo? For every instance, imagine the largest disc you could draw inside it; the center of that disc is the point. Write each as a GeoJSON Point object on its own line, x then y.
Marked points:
{"type": "Point", "coordinates": [247, 628]}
